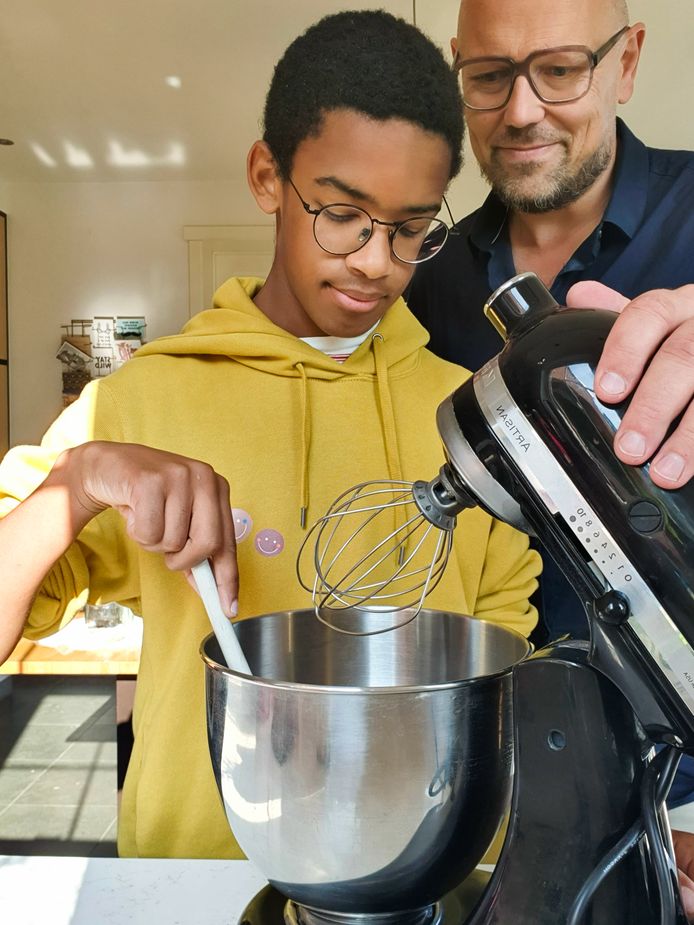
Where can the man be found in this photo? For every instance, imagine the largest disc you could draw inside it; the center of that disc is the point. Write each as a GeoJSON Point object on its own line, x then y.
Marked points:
{"type": "Point", "coordinates": [575, 196]}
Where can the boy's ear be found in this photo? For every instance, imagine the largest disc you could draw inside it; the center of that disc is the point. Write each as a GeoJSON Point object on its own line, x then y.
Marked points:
{"type": "Point", "coordinates": [263, 177]}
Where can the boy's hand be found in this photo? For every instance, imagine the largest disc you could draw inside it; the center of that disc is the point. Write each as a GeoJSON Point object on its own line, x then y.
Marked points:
{"type": "Point", "coordinates": [171, 504]}
{"type": "Point", "coordinates": [650, 352]}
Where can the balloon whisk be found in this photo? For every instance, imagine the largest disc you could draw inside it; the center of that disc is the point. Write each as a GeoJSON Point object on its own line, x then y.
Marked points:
{"type": "Point", "coordinates": [381, 548]}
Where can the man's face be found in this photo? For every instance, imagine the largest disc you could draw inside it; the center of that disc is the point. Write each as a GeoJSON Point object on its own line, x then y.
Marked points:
{"type": "Point", "coordinates": [537, 156]}
{"type": "Point", "coordinates": [394, 170]}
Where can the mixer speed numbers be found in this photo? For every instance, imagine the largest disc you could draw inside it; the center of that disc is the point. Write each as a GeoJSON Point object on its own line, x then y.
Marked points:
{"type": "Point", "coordinates": [599, 545]}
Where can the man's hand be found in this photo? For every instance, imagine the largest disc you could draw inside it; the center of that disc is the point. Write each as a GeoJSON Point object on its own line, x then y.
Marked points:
{"type": "Point", "coordinates": [172, 505]}
{"type": "Point", "coordinates": [650, 352]}
{"type": "Point", "coordinates": [684, 855]}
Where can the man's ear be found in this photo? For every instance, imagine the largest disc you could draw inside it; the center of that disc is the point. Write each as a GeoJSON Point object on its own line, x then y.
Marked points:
{"type": "Point", "coordinates": [263, 178]}
{"type": "Point", "coordinates": [630, 61]}
{"type": "Point", "coordinates": [454, 46]}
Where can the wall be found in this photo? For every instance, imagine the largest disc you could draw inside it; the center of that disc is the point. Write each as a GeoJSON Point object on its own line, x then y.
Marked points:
{"type": "Point", "coordinates": [83, 248]}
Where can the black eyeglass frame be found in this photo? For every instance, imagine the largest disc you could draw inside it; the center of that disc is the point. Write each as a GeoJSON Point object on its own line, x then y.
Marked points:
{"type": "Point", "coordinates": [522, 68]}
{"type": "Point", "coordinates": [394, 226]}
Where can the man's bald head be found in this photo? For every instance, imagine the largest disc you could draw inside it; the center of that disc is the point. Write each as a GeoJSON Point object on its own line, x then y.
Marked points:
{"type": "Point", "coordinates": [619, 7]}
{"type": "Point", "coordinates": [613, 12]}
{"type": "Point", "coordinates": [621, 11]}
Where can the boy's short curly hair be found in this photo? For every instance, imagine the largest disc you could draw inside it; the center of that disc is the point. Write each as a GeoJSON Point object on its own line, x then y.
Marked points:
{"type": "Point", "coordinates": [368, 61]}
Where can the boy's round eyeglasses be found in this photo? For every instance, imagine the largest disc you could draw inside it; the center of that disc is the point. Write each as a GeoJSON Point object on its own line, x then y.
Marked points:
{"type": "Point", "coordinates": [556, 75]}
{"type": "Point", "coordinates": [341, 229]}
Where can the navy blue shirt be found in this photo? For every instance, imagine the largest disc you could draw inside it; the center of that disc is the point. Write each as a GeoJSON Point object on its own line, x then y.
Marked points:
{"type": "Point", "coordinates": [644, 241]}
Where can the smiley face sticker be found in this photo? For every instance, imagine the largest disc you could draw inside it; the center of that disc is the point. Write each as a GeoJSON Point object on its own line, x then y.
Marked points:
{"type": "Point", "coordinates": [269, 542]}
{"type": "Point", "coordinates": [243, 523]}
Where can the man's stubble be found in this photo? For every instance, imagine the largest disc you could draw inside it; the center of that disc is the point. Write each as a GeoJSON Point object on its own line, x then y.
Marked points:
{"type": "Point", "coordinates": [560, 187]}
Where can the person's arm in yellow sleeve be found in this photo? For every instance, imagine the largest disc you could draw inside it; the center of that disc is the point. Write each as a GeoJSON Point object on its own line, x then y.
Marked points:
{"type": "Point", "coordinates": [172, 505]}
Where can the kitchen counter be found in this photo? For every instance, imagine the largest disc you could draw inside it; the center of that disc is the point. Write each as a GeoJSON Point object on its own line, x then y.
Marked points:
{"type": "Point", "coordinates": [124, 891]}
{"type": "Point", "coordinates": [80, 649]}
{"type": "Point", "coordinates": [142, 891]}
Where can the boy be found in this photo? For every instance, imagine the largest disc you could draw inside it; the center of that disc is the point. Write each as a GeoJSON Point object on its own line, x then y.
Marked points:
{"type": "Point", "coordinates": [362, 114]}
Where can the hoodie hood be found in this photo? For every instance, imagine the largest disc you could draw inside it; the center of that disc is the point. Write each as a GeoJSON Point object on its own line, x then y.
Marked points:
{"type": "Point", "coordinates": [238, 329]}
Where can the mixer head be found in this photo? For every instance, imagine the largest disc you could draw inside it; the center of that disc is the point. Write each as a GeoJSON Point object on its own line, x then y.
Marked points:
{"type": "Point", "coordinates": [382, 547]}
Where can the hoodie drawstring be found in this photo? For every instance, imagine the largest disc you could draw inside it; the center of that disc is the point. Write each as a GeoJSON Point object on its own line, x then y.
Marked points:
{"type": "Point", "coordinates": [386, 417]}
{"type": "Point", "coordinates": [390, 437]}
{"type": "Point", "coordinates": [305, 444]}
{"type": "Point", "coordinates": [385, 407]}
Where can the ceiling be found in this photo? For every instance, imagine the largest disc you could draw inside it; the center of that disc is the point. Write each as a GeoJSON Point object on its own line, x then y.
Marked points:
{"type": "Point", "coordinates": [85, 93]}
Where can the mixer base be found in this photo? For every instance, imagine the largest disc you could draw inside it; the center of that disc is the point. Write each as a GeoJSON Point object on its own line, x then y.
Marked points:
{"type": "Point", "coordinates": [270, 907]}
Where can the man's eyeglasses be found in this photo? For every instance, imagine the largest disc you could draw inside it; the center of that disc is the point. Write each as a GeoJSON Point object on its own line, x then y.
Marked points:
{"type": "Point", "coordinates": [556, 75]}
{"type": "Point", "coordinates": [342, 229]}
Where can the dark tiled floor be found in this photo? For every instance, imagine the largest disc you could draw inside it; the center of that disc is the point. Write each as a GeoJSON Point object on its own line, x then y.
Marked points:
{"type": "Point", "coordinates": [58, 768]}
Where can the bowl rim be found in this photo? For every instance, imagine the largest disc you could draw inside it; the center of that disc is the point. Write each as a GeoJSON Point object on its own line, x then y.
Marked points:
{"type": "Point", "coordinates": [389, 690]}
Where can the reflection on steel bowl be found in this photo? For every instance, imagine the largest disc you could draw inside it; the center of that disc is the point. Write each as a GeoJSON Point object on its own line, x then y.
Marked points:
{"type": "Point", "coordinates": [364, 774]}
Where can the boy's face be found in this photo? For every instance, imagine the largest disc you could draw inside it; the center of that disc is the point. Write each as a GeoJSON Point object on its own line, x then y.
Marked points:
{"type": "Point", "coordinates": [394, 170]}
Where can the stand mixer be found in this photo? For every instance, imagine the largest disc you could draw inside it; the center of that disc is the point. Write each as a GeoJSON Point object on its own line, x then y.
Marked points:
{"type": "Point", "coordinates": [527, 440]}
{"type": "Point", "coordinates": [528, 437]}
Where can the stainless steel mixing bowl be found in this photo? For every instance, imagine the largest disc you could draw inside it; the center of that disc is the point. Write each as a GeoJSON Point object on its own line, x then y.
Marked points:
{"type": "Point", "coordinates": [364, 774]}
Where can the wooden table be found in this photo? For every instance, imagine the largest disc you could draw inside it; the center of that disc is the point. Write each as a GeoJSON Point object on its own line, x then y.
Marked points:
{"type": "Point", "coordinates": [51, 656]}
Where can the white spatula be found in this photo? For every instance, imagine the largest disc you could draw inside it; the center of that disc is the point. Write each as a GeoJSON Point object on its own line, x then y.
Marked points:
{"type": "Point", "coordinates": [223, 630]}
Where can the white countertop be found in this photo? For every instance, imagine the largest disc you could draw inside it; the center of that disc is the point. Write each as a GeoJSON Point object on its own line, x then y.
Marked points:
{"type": "Point", "coordinates": [142, 891]}
{"type": "Point", "coordinates": [124, 891]}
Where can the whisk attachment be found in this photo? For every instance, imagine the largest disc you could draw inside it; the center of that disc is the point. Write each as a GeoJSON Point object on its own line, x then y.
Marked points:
{"type": "Point", "coordinates": [372, 558]}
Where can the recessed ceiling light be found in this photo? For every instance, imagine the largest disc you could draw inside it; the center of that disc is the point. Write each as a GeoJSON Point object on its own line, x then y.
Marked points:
{"type": "Point", "coordinates": [43, 155]}
{"type": "Point", "coordinates": [6, 141]}
{"type": "Point", "coordinates": [77, 157]}
{"type": "Point", "coordinates": [173, 81]}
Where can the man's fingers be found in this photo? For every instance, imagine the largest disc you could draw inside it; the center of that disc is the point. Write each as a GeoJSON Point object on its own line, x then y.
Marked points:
{"type": "Point", "coordinates": [645, 324]}
{"type": "Point", "coordinates": [639, 331]}
{"type": "Point", "coordinates": [687, 894]}
{"type": "Point", "coordinates": [684, 850]}
{"type": "Point", "coordinates": [664, 393]}
{"type": "Point", "coordinates": [591, 294]}
{"type": "Point", "coordinates": [649, 356]}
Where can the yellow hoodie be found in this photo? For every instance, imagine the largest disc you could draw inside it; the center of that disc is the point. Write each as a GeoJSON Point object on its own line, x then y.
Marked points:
{"type": "Point", "coordinates": [290, 429]}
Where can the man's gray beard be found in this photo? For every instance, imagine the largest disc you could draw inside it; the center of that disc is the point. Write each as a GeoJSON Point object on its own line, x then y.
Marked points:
{"type": "Point", "coordinates": [563, 187]}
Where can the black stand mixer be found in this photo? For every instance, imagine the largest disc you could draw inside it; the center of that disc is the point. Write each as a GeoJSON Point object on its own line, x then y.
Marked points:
{"type": "Point", "coordinates": [529, 440]}
{"type": "Point", "coordinates": [597, 727]}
